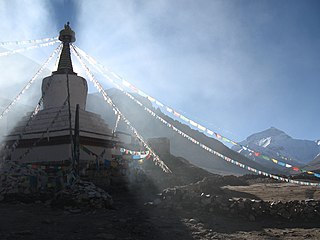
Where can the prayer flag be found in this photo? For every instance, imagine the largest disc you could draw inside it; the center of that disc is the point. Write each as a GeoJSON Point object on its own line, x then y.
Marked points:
{"type": "Point", "coordinates": [142, 94]}
{"type": "Point", "coordinates": [225, 139]}
{"type": "Point", "coordinates": [151, 99]}
{"type": "Point", "coordinates": [209, 132]}
{"type": "Point", "coordinates": [193, 123]}
{"type": "Point", "coordinates": [184, 118]}
{"type": "Point", "coordinates": [176, 114]}
{"type": "Point", "coordinates": [317, 175]}
{"type": "Point", "coordinates": [218, 135]}
{"type": "Point", "coordinates": [202, 128]}
{"type": "Point", "coordinates": [169, 110]}
{"type": "Point", "coordinates": [159, 104]}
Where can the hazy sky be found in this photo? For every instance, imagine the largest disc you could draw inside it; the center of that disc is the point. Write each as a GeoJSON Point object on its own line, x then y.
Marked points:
{"type": "Point", "coordinates": [235, 66]}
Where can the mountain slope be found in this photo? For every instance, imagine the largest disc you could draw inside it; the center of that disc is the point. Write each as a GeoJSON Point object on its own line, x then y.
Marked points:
{"type": "Point", "coordinates": [149, 127]}
{"type": "Point", "coordinates": [314, 165]}
{"type": "Point", "coordinates": [276, 143]}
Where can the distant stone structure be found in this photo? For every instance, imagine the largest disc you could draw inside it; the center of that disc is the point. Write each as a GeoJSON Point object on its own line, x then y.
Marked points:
{"type": "Point", "coordinates": [160, 145]}
{"type": "Point", "coordinates": [48, 137]}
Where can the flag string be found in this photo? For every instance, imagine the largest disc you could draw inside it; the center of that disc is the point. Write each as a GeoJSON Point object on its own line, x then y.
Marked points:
{"type": "Point", "coordinates": [103, 70]}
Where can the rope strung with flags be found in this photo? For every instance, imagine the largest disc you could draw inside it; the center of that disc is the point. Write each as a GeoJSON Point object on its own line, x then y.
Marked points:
{"type": "Point", "coordinates": [116, 110]}
{"type": "Point", "coordinates": [221, 155]}
{"type": "Point", "coordinates": [19, 50]}
{"type": "Point", "coordinates": [24, 42]}
{"type": "Point", "coordinates": [27, 86]}
{"type": "Point", "coordinates": [190, 122]}
{"type": "Point", "coordinates": [206, 147]}
{"type": "Point", "coordinates": [136, 155]}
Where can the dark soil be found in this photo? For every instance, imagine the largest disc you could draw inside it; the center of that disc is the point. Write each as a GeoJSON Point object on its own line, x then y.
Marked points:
{"type": "Point", "coordinates": [135, 215]}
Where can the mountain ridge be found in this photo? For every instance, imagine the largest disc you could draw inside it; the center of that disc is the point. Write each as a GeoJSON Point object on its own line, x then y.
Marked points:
{"type": "Point", "coordinates": [277, 144]}
{"type": "Point", "coordinates": [149, 127]}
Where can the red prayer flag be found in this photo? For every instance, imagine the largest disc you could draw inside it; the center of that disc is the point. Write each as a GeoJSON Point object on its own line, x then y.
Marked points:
{"type": "Point", "coordinates": [176, 114]}
{"type": "Point", "coordinates": [218, 135]}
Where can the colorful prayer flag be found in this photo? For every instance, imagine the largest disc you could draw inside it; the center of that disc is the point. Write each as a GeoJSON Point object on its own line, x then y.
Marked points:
{"type": "Point", "coordinates": [218, 135]}
{"type": "Point", "coordinates": [176, 114]}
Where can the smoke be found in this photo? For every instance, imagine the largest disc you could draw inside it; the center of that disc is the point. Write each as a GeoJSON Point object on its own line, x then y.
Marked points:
{"type": "Point", "coordinates": [221, 63]}
{"type": "Point", "coordinates": [186, 54]}
{"type": "Point", "coordinates": [22, 20]}
{"type": "Point", "coordinates": [228, 66]}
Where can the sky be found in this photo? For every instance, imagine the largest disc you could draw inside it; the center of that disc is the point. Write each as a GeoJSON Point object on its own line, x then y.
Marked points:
{"type": "Point", "coordinates": [235, 66]}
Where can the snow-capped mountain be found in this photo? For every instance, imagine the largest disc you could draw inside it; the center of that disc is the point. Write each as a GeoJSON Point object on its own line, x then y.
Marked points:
{"type": "Point", "coordinates": [276, 143]}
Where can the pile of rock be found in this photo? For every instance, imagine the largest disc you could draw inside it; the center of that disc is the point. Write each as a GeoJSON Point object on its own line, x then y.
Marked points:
{"type": "Point", "coordinates": [17, 179]}
{"type": "Point", "coordinates": [82, 195]}
{"type": "Point", "coordinates": [191, 198]}
{"type": "Point", "coordinates": [20, 183]}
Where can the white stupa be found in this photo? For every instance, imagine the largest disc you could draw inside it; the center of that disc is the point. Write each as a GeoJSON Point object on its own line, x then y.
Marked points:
{"type": "Point", "coordinates": [47, 137]}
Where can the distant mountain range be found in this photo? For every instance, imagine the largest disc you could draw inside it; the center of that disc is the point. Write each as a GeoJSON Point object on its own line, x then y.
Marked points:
{"type": "Point", "coordinates": [279, 145]}
{"type": "Point", "coordinates": [149, 127]}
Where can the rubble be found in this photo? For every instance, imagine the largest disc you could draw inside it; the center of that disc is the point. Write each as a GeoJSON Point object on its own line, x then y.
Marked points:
{"type": "Point", "coordinates": [192, 198]}
{"type": "Point", "coordinates": [23, 184]}
{"type": "Point", "coordinates": [82, 195]}
{"type": "Point", "coordinates": [16, 179]}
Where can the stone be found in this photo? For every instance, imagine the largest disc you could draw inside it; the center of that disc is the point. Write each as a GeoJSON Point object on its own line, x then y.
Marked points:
{"type": "Point", "coordinates": [193, 221]}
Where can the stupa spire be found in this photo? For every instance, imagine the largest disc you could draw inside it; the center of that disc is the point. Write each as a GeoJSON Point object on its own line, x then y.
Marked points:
{"type": "Point", "coordinates": [66, 36]}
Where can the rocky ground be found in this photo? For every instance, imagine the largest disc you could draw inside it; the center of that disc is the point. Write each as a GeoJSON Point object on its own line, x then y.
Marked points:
{"type": "Point", "coordinates": [135, 214]}
{"type": "Point", "coordinates": [191, 204]}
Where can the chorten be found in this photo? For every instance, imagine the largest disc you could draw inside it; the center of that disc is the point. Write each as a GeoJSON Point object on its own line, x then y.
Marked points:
{"type": "Point", "coordinates": [48, 136]}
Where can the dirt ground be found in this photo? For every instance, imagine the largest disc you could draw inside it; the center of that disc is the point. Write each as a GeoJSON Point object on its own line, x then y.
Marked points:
{"type": "Point", "coordinates": [132, 218]}
{"type": "Point", "coordinates": [278, 191]}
